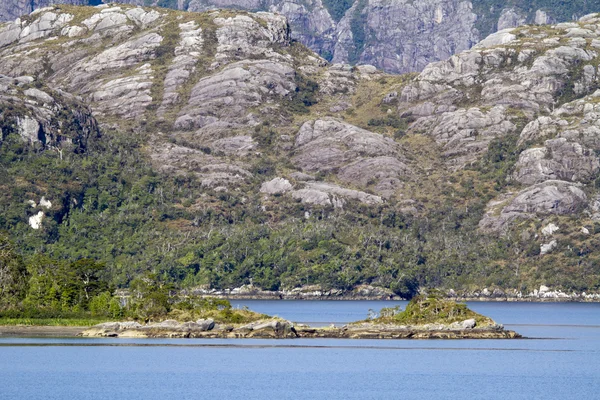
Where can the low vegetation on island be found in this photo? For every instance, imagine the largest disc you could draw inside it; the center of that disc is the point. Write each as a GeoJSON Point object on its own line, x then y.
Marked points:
{"type": "Point", "coordinates": [430, 309]}
{"type": "Point", "coordinates": [43, 291]}
{"type": "Point", "coordinates": [425, 317]}
{"type": "Point", "coordinates": [325, 175]}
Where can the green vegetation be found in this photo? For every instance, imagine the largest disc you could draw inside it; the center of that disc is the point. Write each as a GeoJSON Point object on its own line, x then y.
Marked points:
{"type": "Point", "coordinates": [337, 8]}
{"type": "Point", "coordinates": [430, 309]}
{"type": "Point", "coordinates": [53, 321]}
{"type": "Point", "coordinates": [117, 223]}
{"type": "Point", "coordinates": [51, 292]}
{"type": "Point", "coordinates": [359, 35]}
{"type": "Point", "coordinates": [123, 225]}
{"type": "Point", "coordinates": [304, 96]}
{"type": "Point", "coordinates": [167, 4]}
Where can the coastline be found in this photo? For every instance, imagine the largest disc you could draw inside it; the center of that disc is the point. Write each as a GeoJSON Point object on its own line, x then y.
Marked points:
{"type": "Point", "coordinates": [350, 297]}
{"type": "Point", "coordinates": [271, 331]}
{"type": "Point", "coordinates": [25, 331]}
{"type": "Point", "coordinates": [368, 292]}
{"type": "Point", "coordinates": [282, 329]}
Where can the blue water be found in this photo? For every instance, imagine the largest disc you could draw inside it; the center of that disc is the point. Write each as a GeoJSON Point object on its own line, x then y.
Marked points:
{"type": "Point", "coordinates": [562, 361]}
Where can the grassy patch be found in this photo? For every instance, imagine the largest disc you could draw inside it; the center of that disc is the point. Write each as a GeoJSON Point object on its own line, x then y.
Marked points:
{"type": "Point", "coordinates": [431, 310]}
{"type": "Point", "coordinates": [52, 321]}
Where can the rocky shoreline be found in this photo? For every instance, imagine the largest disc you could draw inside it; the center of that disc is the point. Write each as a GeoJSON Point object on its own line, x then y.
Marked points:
{"type": "Point", "coordinates": [281, 329]}
{"type": "Point", "coordinates": [367, 292]}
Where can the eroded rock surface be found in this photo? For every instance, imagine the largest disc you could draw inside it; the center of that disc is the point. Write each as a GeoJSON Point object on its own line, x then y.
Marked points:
{"type": "Point", "coordinates": [38, 115]}
{"type": "Point", "coordinates": [397, 36]}
{"type": "Point", "coordinates": [548, 198]}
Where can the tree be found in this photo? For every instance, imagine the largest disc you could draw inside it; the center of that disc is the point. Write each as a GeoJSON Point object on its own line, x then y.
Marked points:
{"type": "Point", "coordinates": [83, 277]}
{"type": "Point", "coordinates": [13, 274]}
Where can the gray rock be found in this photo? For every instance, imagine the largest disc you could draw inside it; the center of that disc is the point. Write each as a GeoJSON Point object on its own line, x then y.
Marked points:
{"type": "Point", "coordinates": [205, 324]}
{"type": "Point", "coordinates": [169, 323]}
{"type": "Point", "coordinates": [400, 36]}
{"type": "Point", "coordinates": [129, 325]}
{"type": "Point", "coordinates": [548, 247]}
{"type": "Point", "coordinates": [548, 198]}
{"type": "Point", "coordinates": [362, 158]}
{"type": "Point", "coordinates": [36, 114]}
{"type": "Point", "coordinates": [559, 160]}
{"type": "Point", "coordinates": [301, 177]}
{"type": "Point", "coordinates": [468, 324]}
{"type": "Point", "coordinates": [312, 196]}
{"type": "Point", "coordinates": [466, 133]}
{"type": "Point", "coordinates": [327, 194]}
{"type": "Point", "coordinates": [549, 229]}
{"type": "Point", "coordinates": [276, 186]}
{"type": "Point", "coordinates": [510, 18]}
{"type": "Point", "coordinates": [230, 93]}
{"type": "Point", "coordinates": [187, 54]}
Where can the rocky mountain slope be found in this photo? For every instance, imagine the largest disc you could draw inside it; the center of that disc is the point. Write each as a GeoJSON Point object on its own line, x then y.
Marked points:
{"type": "Point", "coordinates": [394, 35]}
{"type": "Point", "coordinates": [225, 153]}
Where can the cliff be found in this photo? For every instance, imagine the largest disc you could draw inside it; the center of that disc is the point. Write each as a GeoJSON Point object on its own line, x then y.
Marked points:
{"type": "Point", "coordinates": [214, 148]}
{"type": "Point", "coordinates": [394, 35]}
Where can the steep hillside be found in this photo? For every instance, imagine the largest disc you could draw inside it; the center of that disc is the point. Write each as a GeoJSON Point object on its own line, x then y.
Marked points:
{"type": "Point", "coordinates": [227, 154]}
{"type": "Point", "coordinates": [396, 36]}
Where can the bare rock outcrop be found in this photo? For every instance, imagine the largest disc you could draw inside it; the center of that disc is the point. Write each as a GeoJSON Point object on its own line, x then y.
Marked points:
{"type": "Point", "coordinates": [327, 194]}
{"type": "Point", "coordinates": [548, 198]}
{"type": "Point", "coordinates": [485, 92]}
{"type": "Point", "coordinates": [229, 94]}
{"type": "Point", "coordinates": [559, 159]}
{"type": "Point", "coordinates": [359, 157]}
{"type": "Point", "coordinates": [44, 117]}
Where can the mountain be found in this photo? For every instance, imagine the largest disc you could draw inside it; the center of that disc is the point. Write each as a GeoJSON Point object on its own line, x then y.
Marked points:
{"type": "Point", "coordinates": [214, 151]}
{"type": "Point", "coordinates": [396, 36]}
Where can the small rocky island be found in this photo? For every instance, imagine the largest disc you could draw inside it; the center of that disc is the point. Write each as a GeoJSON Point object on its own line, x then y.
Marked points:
{"type": "Point", "coordinates": [425, 317]}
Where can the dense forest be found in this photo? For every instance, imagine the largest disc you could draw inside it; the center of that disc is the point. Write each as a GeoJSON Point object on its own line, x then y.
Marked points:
{"type": "Point", "coordinates": [115, 222]}
{"type": "Point", "coordinates": [94, 200]}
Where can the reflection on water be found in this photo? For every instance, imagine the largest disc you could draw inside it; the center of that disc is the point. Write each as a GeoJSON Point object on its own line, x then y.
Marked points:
{"type": "Point", "coordinates": [561, 363]}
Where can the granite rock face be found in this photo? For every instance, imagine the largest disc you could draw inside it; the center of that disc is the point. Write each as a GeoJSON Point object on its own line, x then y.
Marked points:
{"type": "Point", "coordinates": [396, 36]}
{"type": "Point", "coordinates": [360, 157]}
{"type": "Point", "coordinates": [544, 199]}
{"type": "Point", "coordinates": [233, 100]}
{"type": "Point", "coordinates": [558, 159]}
{"type": "Point", "coordinates": [37, 115]}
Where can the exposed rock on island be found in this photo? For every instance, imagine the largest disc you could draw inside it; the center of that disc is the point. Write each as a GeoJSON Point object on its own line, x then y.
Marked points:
{"type": "Point", "coordinates": [423, 318]}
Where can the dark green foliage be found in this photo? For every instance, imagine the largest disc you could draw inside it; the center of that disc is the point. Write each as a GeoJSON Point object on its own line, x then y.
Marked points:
{"type": "Point", "coordinates": [13, 274]}
{"type": "Point", "coordinates": [337, 8]}
{"type": "Point", "coordinates": [357, 26]}
{"type": "Point", "coordinates": [434, 310]}
{"type": "Point", "coordinates": [499, 161]}
{"type": "Point", "coordinates": [304, 96]}
{"type": "Point", "coordinates": [149, 297]}
{"type": "Point", "coordinates": [63, 287]}
{"type": "Point", "coordinates": [157, 233]}
{"type": "Point", "coordinates": [326, 54]}
{"type": "Point", "coordinates": [264, 135]}
{"type": "Point", "coordinates": [406, 287]}
{"type": "Point", "coordinates": [167, 4]}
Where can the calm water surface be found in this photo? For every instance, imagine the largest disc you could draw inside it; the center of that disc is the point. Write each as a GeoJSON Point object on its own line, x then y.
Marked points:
{"type": "Point", "coordinates": [562, 361]}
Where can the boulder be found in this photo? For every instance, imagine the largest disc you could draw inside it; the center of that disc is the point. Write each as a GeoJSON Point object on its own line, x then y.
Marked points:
{"type": "Point", "coordinates": [548, 247]}
{"type": "Point", "coordinates": [362, 158]}
{"type": "Point", "coordinates": [206, 324]}
{"type": "Point", "coordinates": [276, 186]}
{"type": "Point", "coordinates": [468, 324]}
